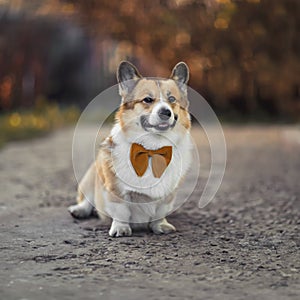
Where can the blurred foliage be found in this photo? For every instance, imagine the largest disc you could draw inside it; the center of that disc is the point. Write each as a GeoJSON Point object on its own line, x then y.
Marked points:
{"type": "Point", "coordinates": [243, 54]}
{"type": "Point", "coordinates": [43, 118]}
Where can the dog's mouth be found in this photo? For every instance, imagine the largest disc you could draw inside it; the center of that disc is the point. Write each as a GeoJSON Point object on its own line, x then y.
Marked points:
{"type": "Point", "coordinates": [162, 126]}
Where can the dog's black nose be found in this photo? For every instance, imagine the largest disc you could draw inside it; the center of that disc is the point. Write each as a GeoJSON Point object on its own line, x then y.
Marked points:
{"type": "Point", "coordinates": [164, 113]}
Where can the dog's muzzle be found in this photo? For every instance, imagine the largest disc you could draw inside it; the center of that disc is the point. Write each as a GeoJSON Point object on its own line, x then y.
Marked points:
{"type": "Point", "coordinates": [161, 126]}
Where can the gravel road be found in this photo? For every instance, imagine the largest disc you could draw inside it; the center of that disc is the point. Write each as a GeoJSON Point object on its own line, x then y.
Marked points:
{"type": "Point", "coordinates": [243, 245]}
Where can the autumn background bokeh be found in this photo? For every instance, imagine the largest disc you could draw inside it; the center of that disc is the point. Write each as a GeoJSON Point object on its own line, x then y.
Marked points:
{"type": "Point", "coordinates": [57, 55]}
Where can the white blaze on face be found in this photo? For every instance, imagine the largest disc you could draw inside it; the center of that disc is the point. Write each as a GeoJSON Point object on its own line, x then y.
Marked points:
{"type": "Point", "coordinates": [161, 96]}
{"type": "Point", "coordinates": [154, 118]}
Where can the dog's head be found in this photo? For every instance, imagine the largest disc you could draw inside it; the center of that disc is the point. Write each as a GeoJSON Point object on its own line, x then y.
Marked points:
{"type": "Point", "coordinates": [153, 105]}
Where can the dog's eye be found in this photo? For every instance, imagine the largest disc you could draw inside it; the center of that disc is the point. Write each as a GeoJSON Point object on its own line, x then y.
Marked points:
{"type": "Point", "coordinates": [148, 100]}
{"type": "Point", "coordinates": [172, 99]}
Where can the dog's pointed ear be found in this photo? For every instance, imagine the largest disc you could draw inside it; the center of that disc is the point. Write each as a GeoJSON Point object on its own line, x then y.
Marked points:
{"type": "Point", "coordinates": [181, 75]}
{"type": "Point", "coordinates": [127, 76]}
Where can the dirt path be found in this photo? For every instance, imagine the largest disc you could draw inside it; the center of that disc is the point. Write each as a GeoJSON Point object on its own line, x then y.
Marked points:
{"type": "Point", "coordinates": [244, 245]}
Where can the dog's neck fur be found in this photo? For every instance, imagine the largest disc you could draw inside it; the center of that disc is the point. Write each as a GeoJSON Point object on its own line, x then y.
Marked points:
{"type": "Point", "coordinates": [158, 188]}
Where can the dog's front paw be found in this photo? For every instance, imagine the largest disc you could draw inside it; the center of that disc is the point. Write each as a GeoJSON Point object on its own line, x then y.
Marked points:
{"type": "Point", "coordinates": [119, 229]}
{"type": "Point", "coordinates": [162, 226]}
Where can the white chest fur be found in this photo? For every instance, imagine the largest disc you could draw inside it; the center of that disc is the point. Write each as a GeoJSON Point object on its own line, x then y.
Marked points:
{"type": "Point", "coordinates": [155, 188]}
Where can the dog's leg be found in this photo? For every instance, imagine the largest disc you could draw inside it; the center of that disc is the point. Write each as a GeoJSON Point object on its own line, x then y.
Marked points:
{"type": "Point", "coordinates": [120, 213]}
{"type": "Point", "coordinates": [81, 210]}
{"type": "Point", "coordinates": [99, 201]}
{"type": "Point", "coordinates": [160, 224]}
{"type": "Point", "coordinates": [85, 196]}
{"type": "Point", "coordinates": [119, 228]}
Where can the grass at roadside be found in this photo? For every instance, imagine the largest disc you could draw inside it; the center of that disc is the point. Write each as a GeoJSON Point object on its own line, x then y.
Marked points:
{"type": "Point", "coordinates": [42, 119]}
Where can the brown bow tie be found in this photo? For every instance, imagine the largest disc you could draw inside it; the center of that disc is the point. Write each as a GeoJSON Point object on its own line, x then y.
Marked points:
{"type": "Point", "coordinates": [160, 159]}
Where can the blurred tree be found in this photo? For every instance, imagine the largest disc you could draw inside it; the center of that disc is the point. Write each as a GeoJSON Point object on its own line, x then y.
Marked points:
{"type": "Point", "coordinates": [243, 54]}
{"type": "Point", "coordinates": [40, 57]}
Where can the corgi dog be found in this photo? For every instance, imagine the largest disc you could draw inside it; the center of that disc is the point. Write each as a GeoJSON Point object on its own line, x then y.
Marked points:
{"type": "Point", "coordinates": [147, 154]}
